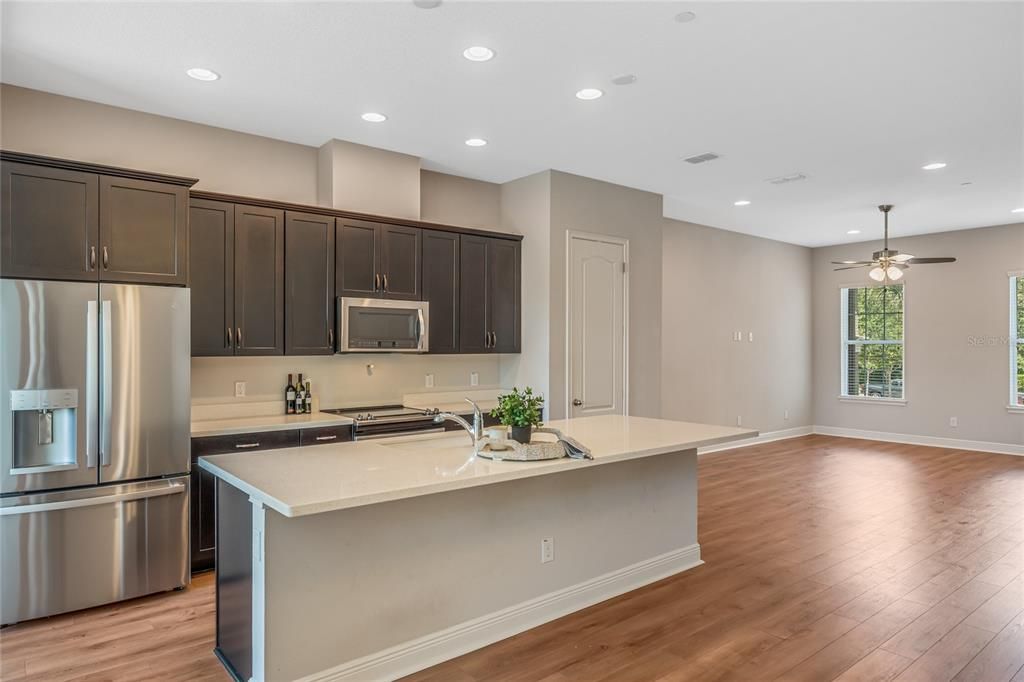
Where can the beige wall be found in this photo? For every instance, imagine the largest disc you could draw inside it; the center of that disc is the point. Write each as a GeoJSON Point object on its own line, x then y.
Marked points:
{"type": "Point", "coordinates": [716, 283]}
{"type": "Point", "coordinates": [462, 201]}
{"type": "Point", "coordinates": [947, 308]}
{"type": "Point", "coordinates": [223, 160]}
{"type": "Point", "coordinates": [526, 210]}
{"type": "Point", "coordinates": [355, 177]}
{"type": "Point", "coordinates": [586, 205]}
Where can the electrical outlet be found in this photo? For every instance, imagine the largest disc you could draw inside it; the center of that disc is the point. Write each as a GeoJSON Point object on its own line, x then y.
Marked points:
{"type": "Point", "coordinates": [750, 337]}
{"type": "Point", "coordinates": [429, 381]}
{"type": "Point", "coordinates": [474, 378]}
{"type": "Point", "coordinates": [547, 550]}
{"type": "Point", "coordinates": [239, 389]}
{"type": "Point", "coordinates": [737, 336]}
{"type": "Point", "coordinates": [739, 420]}
{"type": "Point", "coordinates": [954, 422]}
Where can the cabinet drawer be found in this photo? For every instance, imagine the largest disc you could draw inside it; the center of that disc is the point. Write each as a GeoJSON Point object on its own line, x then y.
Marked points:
{"type": "Point", "coordinates": [326, 434]}
{"type": "Point", "coordinates": [244, 442]}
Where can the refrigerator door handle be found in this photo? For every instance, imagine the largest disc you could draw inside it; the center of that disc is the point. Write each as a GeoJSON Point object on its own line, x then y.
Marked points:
{"type": "Point", "coordinates": [172, 489]}
{"type": "Point", "coordinates": [92, 359]}
{"type": "Point", "coordinates": [106, 385]}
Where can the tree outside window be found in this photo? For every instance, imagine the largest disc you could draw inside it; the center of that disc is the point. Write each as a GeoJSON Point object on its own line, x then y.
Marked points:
{"type": "Point", "coordinates": [873, 349]}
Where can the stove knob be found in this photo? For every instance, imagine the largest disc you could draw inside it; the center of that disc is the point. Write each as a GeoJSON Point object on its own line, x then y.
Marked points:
{"type": "Point", "coordinates": [370, 417]}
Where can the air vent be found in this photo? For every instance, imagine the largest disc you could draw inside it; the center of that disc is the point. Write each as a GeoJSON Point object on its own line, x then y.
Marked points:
{"type": "Point", "coordinates": [702, 158]}
{"type": "Point", "coordinates": [786, 179]}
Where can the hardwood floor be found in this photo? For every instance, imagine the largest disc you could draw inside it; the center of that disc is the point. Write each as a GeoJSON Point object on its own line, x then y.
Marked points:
{"type": "Point", "coordinates": [827, 559]}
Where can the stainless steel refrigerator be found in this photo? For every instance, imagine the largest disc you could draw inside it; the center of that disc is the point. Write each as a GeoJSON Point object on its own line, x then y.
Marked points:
{"type": "Point", "coordinates": [94, 444]}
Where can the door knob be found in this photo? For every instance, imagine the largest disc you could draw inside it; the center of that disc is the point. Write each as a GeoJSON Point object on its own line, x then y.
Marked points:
{"type": "Point", "coordinates": [577, 402]}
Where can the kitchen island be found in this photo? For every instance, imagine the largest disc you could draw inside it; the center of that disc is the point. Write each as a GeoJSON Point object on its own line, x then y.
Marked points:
{"type": "Point", "coordinates": [373, 559]}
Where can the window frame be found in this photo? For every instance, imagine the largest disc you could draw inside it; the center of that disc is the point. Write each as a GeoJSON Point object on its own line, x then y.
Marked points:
{"type": "Point", "coordinates": [1014, 340]}
{"type": "Point", "coordinates": [845, 343]}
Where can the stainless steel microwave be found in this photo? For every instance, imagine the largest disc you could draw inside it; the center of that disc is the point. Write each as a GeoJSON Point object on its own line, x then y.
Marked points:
{"type": "Point", "coordinates": [374, 325]}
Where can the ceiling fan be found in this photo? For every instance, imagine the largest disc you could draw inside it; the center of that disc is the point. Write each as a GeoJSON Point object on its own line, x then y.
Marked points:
{"type": "Point", "coordinates": [888, 264]}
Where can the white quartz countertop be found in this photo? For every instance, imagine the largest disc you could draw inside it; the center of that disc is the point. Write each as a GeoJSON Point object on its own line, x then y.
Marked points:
{"type": "Point", "coordinates": [280, 422]}
{"type": "Point", "coordinates": [321, 478]}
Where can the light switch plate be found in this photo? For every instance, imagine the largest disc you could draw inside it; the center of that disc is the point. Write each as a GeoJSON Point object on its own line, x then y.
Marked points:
{"type": "Point", "coordinates": [239, 389]}
{"type": "Point", "coordinates": [429, 381]}
{"type": "Point", "coordinates": [474, 378]}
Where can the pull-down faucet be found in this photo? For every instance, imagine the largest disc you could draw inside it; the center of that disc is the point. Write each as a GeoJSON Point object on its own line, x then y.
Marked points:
{"type": "Point", "coordinates": [475, 430]}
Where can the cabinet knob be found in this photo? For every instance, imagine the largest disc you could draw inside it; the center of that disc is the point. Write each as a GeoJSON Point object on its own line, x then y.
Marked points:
{"type": "Point", "coordinates": [577, 402]}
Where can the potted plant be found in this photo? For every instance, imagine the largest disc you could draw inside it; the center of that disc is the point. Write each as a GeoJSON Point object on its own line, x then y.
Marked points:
{"type": "Point", "coordinates": [520, 411]}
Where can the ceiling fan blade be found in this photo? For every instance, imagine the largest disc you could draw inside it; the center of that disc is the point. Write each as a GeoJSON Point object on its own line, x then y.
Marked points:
{"type": "Point", "coordinates": [902, 258]}
{"type": "Point", "coordinates": [854, 267]}
{"type": "Point", "coordinates": [926, 261]}
{"type": "Point", "coordinates": [853, 262]}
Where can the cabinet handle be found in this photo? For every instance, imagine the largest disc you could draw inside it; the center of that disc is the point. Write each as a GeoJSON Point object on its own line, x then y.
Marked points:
{"type": "Point", "coordinates": [330, 337]}
{"type": "Point", "coordinates": [242, 446]}
{"type": "Point", "coordinates": [238, 337]}
{"type": "Point", "coordinates": [385, 283]}
{"type": "Point", "coordinates": [326, 437]}
{"type": "Point", "coordinates": [376, 282]}
{"type": "Point", "coordinates": [106, 258]}
{"type": "Point", "coordinates": [228, 345]}
{"type": "Point", "coordinates": [92, 257]}
{"type": "Point", "coordinates": [494, 339]}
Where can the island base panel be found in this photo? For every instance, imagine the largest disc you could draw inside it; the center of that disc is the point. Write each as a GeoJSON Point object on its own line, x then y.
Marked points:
{"type": "Point", "coordinates": [344, 587]}
{"type": "Point", "coordinates": [234, 580]}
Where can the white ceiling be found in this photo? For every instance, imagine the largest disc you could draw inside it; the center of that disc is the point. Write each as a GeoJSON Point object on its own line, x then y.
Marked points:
{"type": "Point", "coordinates": [857, 96]}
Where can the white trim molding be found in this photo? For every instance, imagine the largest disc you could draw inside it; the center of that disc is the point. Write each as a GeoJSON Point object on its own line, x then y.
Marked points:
{"type": "Point", "coordinates": [768, 437]}
{"type": "Point", "coordinates": [931, 441]}
{"type": "Point", "coordinates": [423, 652]}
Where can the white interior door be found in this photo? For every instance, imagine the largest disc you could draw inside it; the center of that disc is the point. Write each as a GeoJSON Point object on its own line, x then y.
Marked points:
{"type": "Point", "coordinates": [597, 325]}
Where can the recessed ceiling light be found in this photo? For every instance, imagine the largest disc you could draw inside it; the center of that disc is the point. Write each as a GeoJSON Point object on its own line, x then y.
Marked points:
{"type": "Point", "coordinates": [625, 79]}
{"type": "Point", "coordinates": [478, 53]}
{"type": "Point", "coordinates": [853, 232]}
{"type": "Point", "coordinates": [201, 74]}
{"type": "Point", "coordinates": [476, 142]}
{"type": "Point", "coordinates": [589, 93]}
{"type": "Point", "coordinates": [1018, 210]}
{"type": "Point", "coordinates": [933, 166]}
{"type": "Point", "coordinates": [374, 117]}
{"type": "Point", "coordinates": [685, 17]}
{"type": "Point", "coordinates": [741, 202]}
{"type": "Point", "coordinates": [427, 4]}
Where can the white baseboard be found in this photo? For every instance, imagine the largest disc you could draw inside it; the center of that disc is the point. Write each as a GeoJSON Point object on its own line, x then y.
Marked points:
{"type": "Point", "coordinates": [767, 437]}
{"type": "Point", "coordinates": [409, 657]}
{"type": "Point", "coordinates": [932, 441]}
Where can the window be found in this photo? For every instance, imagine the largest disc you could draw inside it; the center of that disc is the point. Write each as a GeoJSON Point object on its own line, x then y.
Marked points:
{"type": "Point", "coordinates": [1017, 340]}
{"type": "Point", "coordinates": [873, 342]}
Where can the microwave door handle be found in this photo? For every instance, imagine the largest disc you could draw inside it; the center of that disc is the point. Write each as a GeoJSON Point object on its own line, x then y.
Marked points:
{"type": "Point", "coordinates": [420, 324]}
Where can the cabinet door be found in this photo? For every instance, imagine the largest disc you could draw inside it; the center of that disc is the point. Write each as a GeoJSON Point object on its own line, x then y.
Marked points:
{"type": "Point", "coordinates": [212, 268]}
{"type": "Point", "coordinates": [440, 263]}
{"type": "Point", "coordinates": [358, 246]}
{"type": "Point", "coordinates": [259, 281]}
{"type": "Point", "coordinates": [309, 284]}
{"type": "Point", "coordinates": [473, 329]}
{"type": "Point", "coordinates": [143, 232]}
{"type": "Point", "coordinates": [203, 520]}
{"type": "Point", "coordinates": [400, 261]}
{"type": "Point", "coordinates": [503, 295]}
{"type": "Point", "coordinates": [49, 224]}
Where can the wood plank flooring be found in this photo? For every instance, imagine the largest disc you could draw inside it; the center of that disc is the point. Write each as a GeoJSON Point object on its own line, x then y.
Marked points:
{"type": "Point", "coordinates": [827, 559]}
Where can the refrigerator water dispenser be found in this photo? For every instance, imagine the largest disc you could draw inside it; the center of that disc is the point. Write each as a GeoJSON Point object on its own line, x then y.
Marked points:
{"type": "Point", "coordinates": [44, 430]}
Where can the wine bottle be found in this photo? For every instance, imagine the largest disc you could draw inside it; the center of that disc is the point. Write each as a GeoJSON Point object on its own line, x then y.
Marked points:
{"type": "Point", "coordinates": [309, 397]}
{"type": "Point", "coordinates": [300, 397]}
{"type": "Point", "coordinates": [289, 397]}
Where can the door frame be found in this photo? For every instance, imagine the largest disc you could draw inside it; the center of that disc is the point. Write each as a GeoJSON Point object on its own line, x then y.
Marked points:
{"type": "Point", "coordinates": [571, 235]}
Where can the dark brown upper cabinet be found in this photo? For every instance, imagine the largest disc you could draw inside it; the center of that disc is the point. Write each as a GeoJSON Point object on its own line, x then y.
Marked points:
{"type": "Point", "coordinates": [489, 300]}
{"type": "Point", "coordinates": [440, 263]}
{"type": "Point", "coordinates": [309, 284]}
{"type": "Point", "coordinates": [50, 222]}
{"type": "Point", "coordinates": [378, 260]}
{"type": "Point", "coordinates": [143, 231]}
{"type": "Point", "coordinates": [212, 268]}
{"type": "Point", "coordinates": [70, 220]}
{"type": "Point", "coordinates": [259, 280]}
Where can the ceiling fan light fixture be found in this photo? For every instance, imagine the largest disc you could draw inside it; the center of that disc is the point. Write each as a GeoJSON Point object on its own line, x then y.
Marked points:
{"type": "Point", "coordinates": [877, 274]}
{"type": "Point", "coordinates": [893, 273]}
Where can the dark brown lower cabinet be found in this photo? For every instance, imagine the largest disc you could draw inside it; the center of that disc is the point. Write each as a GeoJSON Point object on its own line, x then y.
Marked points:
{"type": "Point", "coordinates": [204, 485]}
{"type": "Point", "coordinates": [441, 289]}
{"type": "Point", "coordinates": [309, 284]}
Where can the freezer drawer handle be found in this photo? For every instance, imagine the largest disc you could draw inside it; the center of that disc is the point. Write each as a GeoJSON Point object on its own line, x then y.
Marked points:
{"type": "Point", "coordinates": [326, 437]}
{"type": "Point", "coordinates": [173, 489]}
{"type": "Point", "coordinates": [247, 445]}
